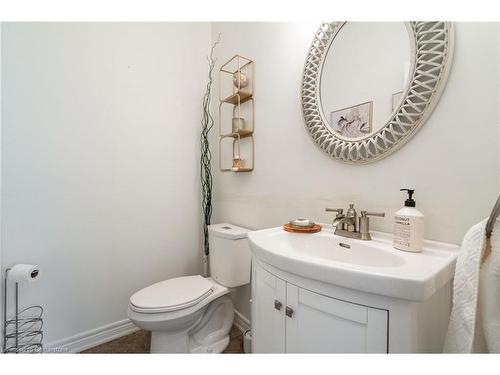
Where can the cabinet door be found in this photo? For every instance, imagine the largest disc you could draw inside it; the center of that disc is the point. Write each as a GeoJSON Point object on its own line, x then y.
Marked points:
{"type": "Point", "coordinates": [320, 324]}
{"type": "Point", "coordinates": [268, 318]}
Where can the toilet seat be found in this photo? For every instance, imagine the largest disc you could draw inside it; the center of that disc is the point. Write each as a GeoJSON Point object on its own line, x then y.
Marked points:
{"type": "Point", "coordinates": [167, 320]}
{"type": "Point", "coordinates": [172, 295]}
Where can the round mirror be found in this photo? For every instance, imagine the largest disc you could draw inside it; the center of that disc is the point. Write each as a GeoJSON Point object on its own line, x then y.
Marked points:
{"type": "Point", "coordinates": [364, 75]}
{"type": "Point", "coordinates": [368, 87]}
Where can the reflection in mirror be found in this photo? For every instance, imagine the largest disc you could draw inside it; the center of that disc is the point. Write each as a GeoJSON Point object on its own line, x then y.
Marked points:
{"type": "Point", "coordinates": [364, 75]}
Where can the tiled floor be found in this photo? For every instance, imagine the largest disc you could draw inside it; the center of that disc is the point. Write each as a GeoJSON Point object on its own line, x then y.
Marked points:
{"type": "Point", "coordinates": [138, 342]}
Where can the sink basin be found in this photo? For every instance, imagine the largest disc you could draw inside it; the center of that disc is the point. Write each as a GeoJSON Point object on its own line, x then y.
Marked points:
{"type": "Point", "coordinates": [370, 266]}
{"type": "Point", "coordinates": [334, 248]}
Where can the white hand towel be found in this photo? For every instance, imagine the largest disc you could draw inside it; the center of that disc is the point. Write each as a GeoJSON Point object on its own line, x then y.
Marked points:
{"type": "Point", "coordinates": [489, 293]}
{"type": "Point", "coordinates": [462, 336]}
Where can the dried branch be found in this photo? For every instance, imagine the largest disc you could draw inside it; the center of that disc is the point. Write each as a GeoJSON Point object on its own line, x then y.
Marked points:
{"type": "Point", "coordinates": [207, 123]}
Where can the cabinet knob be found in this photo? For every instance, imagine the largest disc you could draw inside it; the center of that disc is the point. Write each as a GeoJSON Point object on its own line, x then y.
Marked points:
{"type": "Point", "coordinates": [277, 305]}
{"type": "Point", "coordinates": [289, 311]}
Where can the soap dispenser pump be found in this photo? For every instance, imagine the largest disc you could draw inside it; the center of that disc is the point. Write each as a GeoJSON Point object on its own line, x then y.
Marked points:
{"type": "Point", "coordinates": [409, 226]}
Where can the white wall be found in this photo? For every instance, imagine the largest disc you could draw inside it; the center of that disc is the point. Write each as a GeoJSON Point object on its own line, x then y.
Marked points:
{"type": "Point", "coordinates": [100, 162]}
{"type": "Point", "coordinates": [453, 162]}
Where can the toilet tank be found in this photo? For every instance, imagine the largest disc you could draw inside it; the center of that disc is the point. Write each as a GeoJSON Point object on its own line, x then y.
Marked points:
{"type": "Point", "coordinates": [230, 255]}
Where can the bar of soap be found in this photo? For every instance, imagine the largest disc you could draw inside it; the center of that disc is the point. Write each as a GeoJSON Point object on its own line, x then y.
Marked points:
{"type": "Point", "coordinates": [301, 222]}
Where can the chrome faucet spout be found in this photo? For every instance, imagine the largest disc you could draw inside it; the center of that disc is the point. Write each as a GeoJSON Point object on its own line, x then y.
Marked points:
{"type": "Point", "coordinates": [343, 220]}
{"type": "Point", "coordinates": [338, 220]}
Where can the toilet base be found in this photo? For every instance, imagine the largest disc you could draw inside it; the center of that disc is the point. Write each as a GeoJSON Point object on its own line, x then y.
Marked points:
{"type": "Point", "coordinates": [217, 347]}
{"type": "Point", "coordinates": [162, 342]}
{"type": "Point", "coordinates": [168, 342]}
{"type": "Point", "coordinates": [210, 334]}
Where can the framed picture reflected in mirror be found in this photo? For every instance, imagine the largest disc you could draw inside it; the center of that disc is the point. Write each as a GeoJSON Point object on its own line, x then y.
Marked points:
{"type": "Point", "coordinates": [354, 121]}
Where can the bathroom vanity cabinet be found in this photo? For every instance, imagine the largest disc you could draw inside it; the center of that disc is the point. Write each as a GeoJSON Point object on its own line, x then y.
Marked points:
{"type": "Point", "coordinates": [292, 314]}
{"type": "Point", "coordinates": [291, 319]}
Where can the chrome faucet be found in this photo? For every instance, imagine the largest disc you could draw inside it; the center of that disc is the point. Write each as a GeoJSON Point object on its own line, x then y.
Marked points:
{"type": "Point", "coordinates": [347, 225]}
{"type": "Point", "coordinates": [339, 216]}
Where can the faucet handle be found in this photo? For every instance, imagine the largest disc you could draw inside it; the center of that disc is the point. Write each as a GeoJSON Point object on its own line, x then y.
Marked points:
{"type": "Point", "coordinates": [337, 210]}
{"type": "Point", "coordinates": [364, 223]}
{"type": "Point", "coordinates": [366, 213]}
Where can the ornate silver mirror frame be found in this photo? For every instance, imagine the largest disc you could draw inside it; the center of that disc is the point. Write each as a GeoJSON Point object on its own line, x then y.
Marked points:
{"type": "Point", "coordinates": [432, 52]}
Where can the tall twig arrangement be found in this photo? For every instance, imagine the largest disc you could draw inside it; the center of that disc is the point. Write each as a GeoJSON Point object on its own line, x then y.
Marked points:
{"type": "Point", "coordinates": [207, 123]}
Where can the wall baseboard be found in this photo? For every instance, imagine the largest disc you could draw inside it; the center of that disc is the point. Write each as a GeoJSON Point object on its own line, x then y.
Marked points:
{"type": "Point", "coordinates": [101, 335]}
{"type": "Point", "coordinates": [91, 338]}
{"type": "Point", "coordinates": [241, 322]}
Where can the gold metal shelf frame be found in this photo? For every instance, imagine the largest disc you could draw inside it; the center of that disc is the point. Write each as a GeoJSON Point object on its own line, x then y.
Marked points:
{"type": "Point", "coordinates": [239, 96]}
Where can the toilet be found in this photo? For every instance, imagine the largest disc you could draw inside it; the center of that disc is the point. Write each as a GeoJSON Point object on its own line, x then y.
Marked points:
{"type": "Point", "coordinates": [194, 314]}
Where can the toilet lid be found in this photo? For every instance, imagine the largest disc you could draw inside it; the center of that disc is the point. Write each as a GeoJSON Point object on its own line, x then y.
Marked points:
{"type": "Point", "coordinates": [173, 294]}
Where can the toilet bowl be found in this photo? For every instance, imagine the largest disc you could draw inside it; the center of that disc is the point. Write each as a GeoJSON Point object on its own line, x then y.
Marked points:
{"type": "Point", "coordinates": [177, 312]}
{"type": "Point", "coordinates": [194, 314]}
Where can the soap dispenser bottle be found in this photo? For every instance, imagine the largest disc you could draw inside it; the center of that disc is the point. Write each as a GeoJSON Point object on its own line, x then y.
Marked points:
{"type": "Point", "coordinates": [409, 226]}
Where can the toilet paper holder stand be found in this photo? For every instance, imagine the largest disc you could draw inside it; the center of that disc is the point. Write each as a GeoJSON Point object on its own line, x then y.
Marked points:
{"type": "Point", "coordinates": [23, 332]}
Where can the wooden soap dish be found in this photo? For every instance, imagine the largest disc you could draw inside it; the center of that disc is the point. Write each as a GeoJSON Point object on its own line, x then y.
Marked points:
{"type": "Point", "coordinates": [293, 229]}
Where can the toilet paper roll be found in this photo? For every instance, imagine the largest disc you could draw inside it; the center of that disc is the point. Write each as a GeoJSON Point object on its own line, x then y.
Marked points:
{"type": "Point", "coordinates": [23, 273]}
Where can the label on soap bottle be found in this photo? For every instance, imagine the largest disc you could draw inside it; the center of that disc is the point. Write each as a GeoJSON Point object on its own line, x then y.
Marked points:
{"type": "Point", "coordinates": [408, 233]}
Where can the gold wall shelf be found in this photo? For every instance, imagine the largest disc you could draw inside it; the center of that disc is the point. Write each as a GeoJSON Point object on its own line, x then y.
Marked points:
{"type": "Point", "coordinates": [236, 89]}
{"type": "Point", "coordinates": [235, 167]}
{"type": "Point", "coordinates": [238, 98]}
